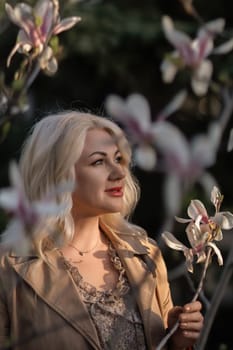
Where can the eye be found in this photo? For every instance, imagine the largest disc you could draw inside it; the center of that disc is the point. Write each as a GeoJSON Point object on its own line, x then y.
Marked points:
{"type": "Point", "coordinates": [119, 159]}
{"type": "Point", "coordinates": [98, 162]}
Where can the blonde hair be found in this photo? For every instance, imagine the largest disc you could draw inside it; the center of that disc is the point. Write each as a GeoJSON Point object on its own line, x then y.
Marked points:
{"type": "Point", "coordinates": [48, 158]}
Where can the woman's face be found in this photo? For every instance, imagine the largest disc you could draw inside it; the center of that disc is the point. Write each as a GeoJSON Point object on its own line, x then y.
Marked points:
{"type": "Point", "coordinates": [100, 176]}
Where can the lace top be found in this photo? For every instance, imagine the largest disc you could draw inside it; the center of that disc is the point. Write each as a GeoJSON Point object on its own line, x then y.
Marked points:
{"type": "Point", "coordinates": [114, 312]}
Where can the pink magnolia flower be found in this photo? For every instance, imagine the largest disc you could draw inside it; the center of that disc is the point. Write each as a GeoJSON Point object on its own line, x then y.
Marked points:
{"type": "Point", "coordinates": [202, 230]}
{"type": "Point", "coordinates": [37, 26]}
{"type": "Point", "coordinates": [25, 214]}
{"type": "Point", "coordinates": [193, 53]}
{"type": "Point", "coordinates": [134, 114]}
{"type": "Point", "coordinates": [160, 145]}
{"type": "Point", "coordinates": [187, 159]}
{"type": "Point", "coordinates": [186, 162]}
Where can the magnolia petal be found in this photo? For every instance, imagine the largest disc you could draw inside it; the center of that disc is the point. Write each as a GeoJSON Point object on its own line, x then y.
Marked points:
{"type": "Point", "coordinates": [230, 142]}
{"type": "Point", "coordinates": [203, 153]}
{"type": "Point", "coordinates": [22, 16]}
{"type": "Point", "coordinates": [196, 208]}
{"type": "Point", "coordinates": [18, 15]}
{"type": "Point", "coordinates": [182, 220]}
{"type": "Point", "coordinates": [224, 48]}
{"type": "Point", "coordinates": [134, 113]}
{"type": "Point", "coordinates": [51, 66]}
{"type": "Point", "coordinates": [204, 147]}
{"type": "Point", "coordinates": [44, 12]}
{"type": "Point", "coordinates": [12, 53]}
{"type": "Point", "coordinates": [175, 37]}
{"type": "Point", "coordinates": [63, 187]}
{"type": "Point", "coordinates": [49, 208]}
{"type": "Point", "coordinates": [139, 109]}
{"type": "Point", "coordinates": [173, 105]}
{"type": "Point", "coordinates": [218, 236]}
{"type": "Point", "coordinates": [13, 233]}
{"type": "Point", "coordinates": [189, 259]}
{"type": "Point", "coordinates": [172, 194]}
{"type": "Point", "coordinates": [207, 181]}
{"type": "Point", "coordinates": [23, 45]}
{"type": "Point", "coordinates": [215, 27]}
{"type": "Point", "coordinates": [224, 219]}
{"type": "Point", "coordinates": [44, 9]}
{"type": "Point", "coordinates": [201, 257]}
{"type": "Point", "coordinates": [173, 144]}
{"type": "Point", "coordinates": [66, 24]}
{"type": "Point", "coordinates": [15, 177]}
{"type": "Point", "coordinates": [168, 70]}
{"type": "Point", "coordinates": [202, 46]}
{"type": "Point", "coordinates": [196, 237]}
{"type": "Point", "coordinates": [217, 252]}
{"type": "Point", "coordinates": [201, 78]}
{"type": "Point", "coordinates": [115, 106]}
{"type": "Point", "coordinates": [173, 242]}
{"type": "Point", "coordinates": [9, 199]}
{"type": "Point", "coordinates": [215, 133]}
{"type": "Point", "coordinates": [197, 221]}
{"type": "Point", "coordinates": [14, 237]}
{"type": "Point", "coordinates": [145, 157]}
{"type": "Point", "coordinates": [24, 41]}
{"type": "Point", "coordinates": [216, 197]}
{"type": "Point", "coordinates": [48, 62]}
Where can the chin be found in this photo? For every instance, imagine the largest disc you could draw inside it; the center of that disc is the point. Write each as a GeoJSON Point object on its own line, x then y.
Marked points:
{"type": "Point", "coordinates": [112, 210]}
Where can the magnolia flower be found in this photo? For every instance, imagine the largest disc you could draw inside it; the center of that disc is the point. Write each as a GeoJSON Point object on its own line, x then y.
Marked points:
{"type": "Point", "coordinates": [37, 26]}
{"type": "Point", "coordinates": [187, 159]}
{"type": "Point", "coordinates": [186, 162]}
{"type": "Point", "coordinates": [25, 214]}
{"type": "Point", "coordinates": [193, 53]}
{"type": "Point", "coordinates": [134, 114]}
{"type": "Point", "coordinates": [202, 230]}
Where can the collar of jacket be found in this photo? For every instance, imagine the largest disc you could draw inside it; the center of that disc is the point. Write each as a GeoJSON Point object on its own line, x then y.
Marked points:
{"type": "Point", "coordinates": [54, 285]}
{"type": "Point", "coordinates": [139, 256]}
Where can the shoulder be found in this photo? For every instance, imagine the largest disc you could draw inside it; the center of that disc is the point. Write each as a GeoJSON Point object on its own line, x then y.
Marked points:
{"type": "Point", "coordinates": [155, 253]}
{"type": "Point", "coordinates": [9, 260]}
{"type": "Point", "coordinates": [146, 240]}
{"type": "Point", "coordinates": [143, 244]}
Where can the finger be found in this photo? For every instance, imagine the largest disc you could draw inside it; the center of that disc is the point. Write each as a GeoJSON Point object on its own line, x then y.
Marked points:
{"type": "Point", "coordinates": [191, 326]}
{"type": "Point", "coordinates": [191, 335]}
{"type": "Point", "coordinates": [191, 316]}
{"type": "Point", "coordinates": [194, 306]}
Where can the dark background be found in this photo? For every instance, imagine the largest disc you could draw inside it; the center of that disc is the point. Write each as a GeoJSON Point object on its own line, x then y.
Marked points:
{"type": "Point", "coordinates": [117, 48]}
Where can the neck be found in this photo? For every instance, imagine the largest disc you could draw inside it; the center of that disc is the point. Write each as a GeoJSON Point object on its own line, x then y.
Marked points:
{"type": "Point", "coordinates": [87, 232]}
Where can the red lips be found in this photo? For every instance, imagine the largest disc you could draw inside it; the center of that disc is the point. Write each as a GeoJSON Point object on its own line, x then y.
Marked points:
{"type": "Point", "coordinates": [115, 191]}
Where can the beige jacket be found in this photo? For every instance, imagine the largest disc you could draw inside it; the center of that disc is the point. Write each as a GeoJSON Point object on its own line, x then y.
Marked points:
{"type": "Point", "coordinates": [40, 307]}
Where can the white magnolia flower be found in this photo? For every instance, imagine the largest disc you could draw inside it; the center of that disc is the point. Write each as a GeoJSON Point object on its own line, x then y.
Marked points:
{"type": "Point", "coordinates": [37, 26]}
{"type": "Point", "coordinates": [193, 53]}
{"type": "Point", "coordinates": [134, 114]}
{"type": "Point", "coordinates": [25, 214]}
{"type": "Point", "coordinates": [202, 230]}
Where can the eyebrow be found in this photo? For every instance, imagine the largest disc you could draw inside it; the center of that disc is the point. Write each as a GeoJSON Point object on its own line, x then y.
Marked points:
{"type": "Point", "coordinates": [102, 153]}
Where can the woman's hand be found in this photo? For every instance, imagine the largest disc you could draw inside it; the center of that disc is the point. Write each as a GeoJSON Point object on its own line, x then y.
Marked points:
{"type": "Point", "coordinates": [190, 324]}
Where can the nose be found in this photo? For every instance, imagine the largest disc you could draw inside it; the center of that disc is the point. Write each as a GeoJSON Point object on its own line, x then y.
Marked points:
{"type": "Point", "coordinates": [118, 172]}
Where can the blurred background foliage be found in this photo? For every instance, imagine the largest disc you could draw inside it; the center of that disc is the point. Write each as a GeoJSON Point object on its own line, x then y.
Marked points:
{"type": "Point", "coordinates": [118, 48]}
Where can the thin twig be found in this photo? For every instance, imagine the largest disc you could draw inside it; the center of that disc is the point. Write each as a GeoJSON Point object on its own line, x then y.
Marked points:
{"type": "Point", "coordinates": [216, 300]}
{"type": "Point", "coordinates": [200, 286]}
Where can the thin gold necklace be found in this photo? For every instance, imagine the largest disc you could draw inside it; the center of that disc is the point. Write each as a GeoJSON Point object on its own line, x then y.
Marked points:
{"type": "Point", "coordinates": [82, 252]}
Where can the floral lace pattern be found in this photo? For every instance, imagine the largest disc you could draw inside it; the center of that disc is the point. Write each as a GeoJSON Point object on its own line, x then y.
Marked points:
{"type": "Point", "coordinates": [114, 312]}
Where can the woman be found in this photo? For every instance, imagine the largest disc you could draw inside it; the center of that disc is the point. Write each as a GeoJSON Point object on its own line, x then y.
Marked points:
{"type": "Point", "coordinates": [94, 280]}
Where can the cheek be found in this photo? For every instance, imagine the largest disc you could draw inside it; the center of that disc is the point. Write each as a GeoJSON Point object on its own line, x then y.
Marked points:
{"type": "Point", "coordinates": [87, 186]}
